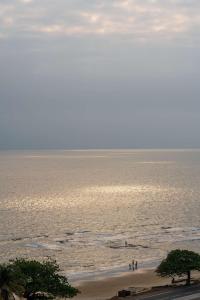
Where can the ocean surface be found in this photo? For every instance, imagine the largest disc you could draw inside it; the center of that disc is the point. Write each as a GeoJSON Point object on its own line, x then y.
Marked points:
{"type": "Point", "coordinates": [80, 207]}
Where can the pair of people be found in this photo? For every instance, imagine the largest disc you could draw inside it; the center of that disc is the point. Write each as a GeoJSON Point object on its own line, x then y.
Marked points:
{"type": "Point", "coordinates": [134, 265]}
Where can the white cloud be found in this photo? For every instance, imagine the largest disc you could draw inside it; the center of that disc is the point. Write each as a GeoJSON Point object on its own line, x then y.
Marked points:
{"type": "Point", "coordinates": [141, 19]}
{"type": "Point", "coordinates": [7, 21]}
{"type": "Point", "coordinates": [26, 1]}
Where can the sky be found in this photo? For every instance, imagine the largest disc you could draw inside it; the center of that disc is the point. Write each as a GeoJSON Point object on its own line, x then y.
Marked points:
{"type": "Point", "coordinates": [99, 74]}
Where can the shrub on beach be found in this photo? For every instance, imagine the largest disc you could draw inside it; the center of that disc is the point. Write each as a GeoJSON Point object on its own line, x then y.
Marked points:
{"type": "Point", "coordinates": [178, 263]}
{"type": "Point", "coordinates": [34, 280]}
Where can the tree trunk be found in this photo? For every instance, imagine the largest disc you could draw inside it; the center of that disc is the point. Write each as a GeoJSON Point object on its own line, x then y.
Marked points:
{"type": "Point", "coordinates": [4, 294]}
{"type": "Point", "coordinates": [188, 277]}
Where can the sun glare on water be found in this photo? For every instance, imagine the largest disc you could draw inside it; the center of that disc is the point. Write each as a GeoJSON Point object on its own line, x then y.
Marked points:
{"type": "Point", "coordinates": [124, 189]}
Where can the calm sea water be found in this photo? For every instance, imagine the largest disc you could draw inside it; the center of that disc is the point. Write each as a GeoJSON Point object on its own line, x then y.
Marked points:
{"type": "Point", "coordinates": [81, 206]}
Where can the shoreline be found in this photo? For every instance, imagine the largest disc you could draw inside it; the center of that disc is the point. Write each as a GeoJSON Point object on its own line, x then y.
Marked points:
{"type": "Point", "coordinates": [107, 287]}
{"type": "Point", "coordinates": [117, 271]}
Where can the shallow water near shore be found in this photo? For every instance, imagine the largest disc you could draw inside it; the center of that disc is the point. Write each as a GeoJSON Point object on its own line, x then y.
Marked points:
{"type": "Point", "coordinates": [81, 206]}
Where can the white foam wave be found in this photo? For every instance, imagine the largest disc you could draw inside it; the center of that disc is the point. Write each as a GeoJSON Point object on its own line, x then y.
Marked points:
{"type": "Point", "coordinates": [44, 246]}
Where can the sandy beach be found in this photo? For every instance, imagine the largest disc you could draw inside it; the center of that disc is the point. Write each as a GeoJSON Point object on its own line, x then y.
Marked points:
{"type": "Point", "coordinates": [108, 287]}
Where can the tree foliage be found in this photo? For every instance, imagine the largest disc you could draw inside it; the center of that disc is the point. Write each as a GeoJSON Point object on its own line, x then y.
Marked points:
{"type": "Point", "coordinates": [11, 281]}
{"type": "Point", "coordinates": [179, 263]}
{"type": "Point", "coordinates": [36, 278]}
{"type": "Point", "coordinates": [44, 277]}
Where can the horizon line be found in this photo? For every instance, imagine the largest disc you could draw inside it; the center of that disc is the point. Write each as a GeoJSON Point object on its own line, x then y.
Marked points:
{"type": "Point", "coordinates": [102, 149]}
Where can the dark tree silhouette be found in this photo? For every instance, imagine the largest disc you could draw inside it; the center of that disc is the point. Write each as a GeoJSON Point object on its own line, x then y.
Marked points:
{"type": "Point", "coordinates": [179, 263]}
{"type": "Point", "coordinates": [11, 281]}
{"type": "Point", "coordinates": [44, 277]}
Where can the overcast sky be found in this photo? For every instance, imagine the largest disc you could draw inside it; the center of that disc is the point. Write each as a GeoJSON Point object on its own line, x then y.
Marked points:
{"type": "Point", "coordinates": [99, 74]}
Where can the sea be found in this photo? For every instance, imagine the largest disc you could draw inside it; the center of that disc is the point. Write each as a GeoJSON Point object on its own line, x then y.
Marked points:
{"type": "Point", "coordinates": [94, 211]}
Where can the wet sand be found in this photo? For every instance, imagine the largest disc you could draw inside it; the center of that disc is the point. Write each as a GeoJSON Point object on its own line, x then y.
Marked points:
{"type": "Point", "coordinates": [108, 287]}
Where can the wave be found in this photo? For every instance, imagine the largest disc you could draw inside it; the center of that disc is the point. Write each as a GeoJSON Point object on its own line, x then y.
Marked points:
{"type": "Point", "coordinates": [44, 246]}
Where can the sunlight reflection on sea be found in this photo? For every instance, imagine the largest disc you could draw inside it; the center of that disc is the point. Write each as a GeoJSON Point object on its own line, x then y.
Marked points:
{"type": "Point", "coordinates": [81, 206]}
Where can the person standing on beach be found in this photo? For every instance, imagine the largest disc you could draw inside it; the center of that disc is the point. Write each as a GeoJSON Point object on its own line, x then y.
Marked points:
{"type": "Point", "coordinates": [129, 266]}
{"type": "Point", "coordinates": [136, 265]}
{"type": "Point", "coordinates": [133, 265]}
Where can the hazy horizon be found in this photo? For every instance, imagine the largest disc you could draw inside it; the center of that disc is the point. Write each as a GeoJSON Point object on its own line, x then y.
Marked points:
{"type": "Point", "coordinates": [99, 74]}
{"type": "Point", "coordinates": [99, 149]}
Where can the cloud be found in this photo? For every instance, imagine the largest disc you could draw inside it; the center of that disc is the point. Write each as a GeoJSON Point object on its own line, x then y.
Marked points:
{"type": "Point", "coordinates": [137, 19]}
{"type": "Point", "coordinates": [26, 1]}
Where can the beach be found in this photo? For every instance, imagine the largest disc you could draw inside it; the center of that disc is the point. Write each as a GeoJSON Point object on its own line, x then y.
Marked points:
{"type": "Point", "coordinates": [108, 287]}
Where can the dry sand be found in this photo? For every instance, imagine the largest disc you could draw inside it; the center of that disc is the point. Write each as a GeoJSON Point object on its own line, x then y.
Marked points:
{"type": "Point", "coordinates": [108, 287]}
